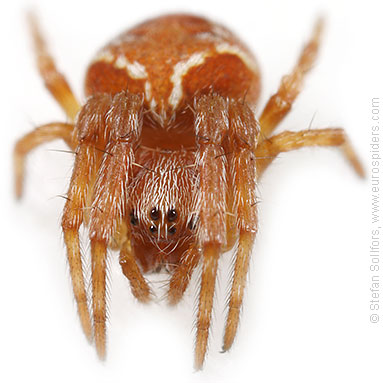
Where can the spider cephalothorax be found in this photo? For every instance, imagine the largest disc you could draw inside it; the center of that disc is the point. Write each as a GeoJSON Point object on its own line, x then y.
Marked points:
{"type": "Point", "coordinates": [162, 201]}
{"type": "Point", "coordinates": [168, 153]}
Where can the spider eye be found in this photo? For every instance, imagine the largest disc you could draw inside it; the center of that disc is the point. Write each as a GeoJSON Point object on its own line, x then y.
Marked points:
{"type": "Point", "coordinates": [172, 229]}
{"type": "Point", "coordinates": [133, 219]}
{"type": "Point", "coordinates": [172, 215]}
{"type": "Point", "coordinates": [155, 214]}
{"type": "Point", "coordinates": [153, 228]}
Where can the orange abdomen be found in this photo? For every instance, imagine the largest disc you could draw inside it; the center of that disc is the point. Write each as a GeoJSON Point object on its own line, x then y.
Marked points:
{"type": "Point", "coordinates": [170, 60]}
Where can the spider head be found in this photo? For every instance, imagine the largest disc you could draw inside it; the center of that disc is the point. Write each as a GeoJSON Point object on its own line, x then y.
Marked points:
{"type": "Point", "coordinates": [162, 209]}
{"type": "Point", "coordinates": [161, 225]}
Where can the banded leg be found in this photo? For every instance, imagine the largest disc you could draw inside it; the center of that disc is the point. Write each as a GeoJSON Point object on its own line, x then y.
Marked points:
{"type": "Point", "coordinates": [124, 123]}
{"type": "Point", "coordinates": [211, 125]}
{"type": "Point", "coordinates": [180, 278]}
{"type": "Point", "coordinates": [39, 136]}
{"type": "Point", "coordinates": [287, 141]}
{"type": "Point", "coordinates": [243, 135]}
{"type": "Point", "coordinates": [138, 283]}
{"type": "Point", "coordinates": [281, 102]}
{"type": "Point", "coordinates": [53, 79]}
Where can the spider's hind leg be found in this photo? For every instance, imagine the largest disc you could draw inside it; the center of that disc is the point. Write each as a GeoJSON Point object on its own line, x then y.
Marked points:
{"type": "Point", "coordinates": [286, 141]}
{"type": "Point", "coordinates": [39, 136]}
{"type": "Point", "coordinates": [53, 79]}
{"type": "Point", "coordinates": [281, 102]}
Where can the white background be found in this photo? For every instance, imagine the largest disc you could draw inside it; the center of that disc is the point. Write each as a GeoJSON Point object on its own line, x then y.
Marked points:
{"type": "Point", "coordinates": [306, 315]}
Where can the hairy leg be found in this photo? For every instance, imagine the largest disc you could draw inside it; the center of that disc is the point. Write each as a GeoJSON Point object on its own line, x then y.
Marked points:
{"type": "Point", "coordinates": [124, 125]}
{"type": "Point", "coordinates": [72, 241]}
{"type": "Point", "coordinates": [241, 267]}
{"type": "Point", "coordinates": [99, 260]}
{"type": "Point", "coordinates": [211, 253]}
{"type": "Point", "coordinates": [243, 135]}
{"type": "Point", "coordinates": [87, 160]}
{"type": "Point", "coordinates": [287, 141]}
{"type": "Point", "coordinates": [39, 136]}
{"type": "Point", "coordinates": [211, 125]}
{"type": "Point", "coordinates": [281, 102]}
{"type": "Point", "coordinates": [53, 79]}
{"type": "Point", "coordinates": [180, 278]}
{"type": "Point", "coordinates": [138, 283]}
{"type": "Point", "coordinates": [73, 216]}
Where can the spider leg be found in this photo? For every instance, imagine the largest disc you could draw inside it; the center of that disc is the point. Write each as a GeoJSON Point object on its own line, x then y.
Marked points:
{"type": "Point", "coordinates": [211, 124]}
{"type": "Point", "coordinates": [287, 141]}
{"type": "Point", "coordinates": [53, 79]}
{"type": "Point", "coordinates": [39, 136]}
{"type": "Point", "coordinates": [109, 198]}
{"type": "Point", "coordinates": [138, 283]}
{"type": "Point", "coordinates": [73, 217]}
{"type": "Point", "coordinates": [87, 160]}
{"type": "Point", "coordinates": [180, 278]}
{"type": "Point", "coordinates": [242, 177]}
{"type": "Point", "coordinates": [99, 259]}
{"type": "Point", "coordinates": [211, 253]}
{"type": "Point", "coordinates": [281, 102]}
{"type": "Point", "coordinates": [241, 267]}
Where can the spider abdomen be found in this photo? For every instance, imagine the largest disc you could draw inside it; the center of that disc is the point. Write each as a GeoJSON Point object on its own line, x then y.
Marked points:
{"type": "Point", "coordinates": [170, 60]}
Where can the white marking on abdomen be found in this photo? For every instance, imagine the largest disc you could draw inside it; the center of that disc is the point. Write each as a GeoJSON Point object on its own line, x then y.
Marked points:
{"type": "Point", "coordinates": [135, 70]}
{"type": "Point", "coordinates": [148, 90]}
{"type": "Point", "coordinates": [104, 56]}
{"type": "Point", "coordinates": [148, 95]}
{"type": "Point", "coordinates": [180, 69]}
{"type": "Point", "coordinates": [237, 51]}
{"type": "Point", "coordinates": [153, 104]}
{"type": "Point", "coordinates": [222, 32]}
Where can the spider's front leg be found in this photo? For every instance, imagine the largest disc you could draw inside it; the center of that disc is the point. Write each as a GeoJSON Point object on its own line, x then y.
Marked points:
{"type": "Point", "coordinates": [226, 130]}
{"type": "Point", "coordinates": [211, 125]}
{"type": "Point", "coordinates": [243, 135]}
{"type": "Point", "coordinates": [107, 129]}
{"type": "Point", "coordinates": [90, 122]}
{"type": "Point", "coordinates": [109, 198]}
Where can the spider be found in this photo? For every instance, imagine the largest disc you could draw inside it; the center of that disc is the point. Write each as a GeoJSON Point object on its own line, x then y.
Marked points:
{"type": "Point", "coordinates": [168, 153]}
